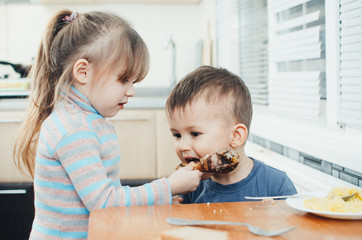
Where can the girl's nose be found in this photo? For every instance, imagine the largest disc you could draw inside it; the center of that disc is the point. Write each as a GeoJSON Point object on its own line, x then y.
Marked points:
{"type": "Point", "coordinates": [130, 91]}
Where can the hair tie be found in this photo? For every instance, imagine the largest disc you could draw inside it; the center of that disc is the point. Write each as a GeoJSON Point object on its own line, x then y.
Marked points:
{"type": "Point", "coordinates": [71, 18]}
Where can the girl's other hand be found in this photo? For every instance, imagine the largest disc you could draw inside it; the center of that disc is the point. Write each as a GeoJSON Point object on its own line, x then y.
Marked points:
{"type": "Point", "coordinates": [177, 199]}
{"type": "Point", "coordinates": [185, 180]}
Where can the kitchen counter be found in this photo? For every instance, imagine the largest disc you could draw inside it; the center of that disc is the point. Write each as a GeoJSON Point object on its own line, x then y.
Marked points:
{"type": "Point", "coordinates": [13, 104]}
{"type": "Point", "coordinates": [144, 102]}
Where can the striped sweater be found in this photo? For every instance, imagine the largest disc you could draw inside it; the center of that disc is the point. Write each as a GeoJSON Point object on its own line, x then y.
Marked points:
{"type": "Point", "coordinates": [76, 172]}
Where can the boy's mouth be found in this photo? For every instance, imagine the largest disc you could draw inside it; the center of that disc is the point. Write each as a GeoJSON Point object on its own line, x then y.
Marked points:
{"type": "Point", "coordinates": [191, 159]}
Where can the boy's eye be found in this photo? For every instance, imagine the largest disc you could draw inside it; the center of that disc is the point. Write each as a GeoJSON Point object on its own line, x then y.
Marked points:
{"type": "Point", "coordinates": [177, 135]}
{"type": "Point", "coordinates": [195, 134]}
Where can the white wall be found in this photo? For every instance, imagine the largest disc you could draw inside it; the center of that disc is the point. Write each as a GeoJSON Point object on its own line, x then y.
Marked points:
{"type": "Point", "coordinates": [21, 27]}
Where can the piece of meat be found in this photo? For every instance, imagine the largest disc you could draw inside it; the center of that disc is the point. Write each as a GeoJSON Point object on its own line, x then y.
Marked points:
{"type": "Point", "coordinates": [222, 161]}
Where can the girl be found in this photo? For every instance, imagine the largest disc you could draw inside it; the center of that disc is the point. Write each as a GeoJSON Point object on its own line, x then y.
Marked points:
{"type": "Point", "coordinates": [84, 72]}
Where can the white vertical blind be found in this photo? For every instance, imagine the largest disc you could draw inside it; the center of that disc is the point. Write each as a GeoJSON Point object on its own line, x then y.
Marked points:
{"type": "Point", "coordinates": [227, 25]}
{"type": "Point", "coordinates": [296, 57]}
{"type": "Point", "coordinates": [235, 44]}
{"type": "Point", "coordinates": [253, 48]}
{"type": "Point", "coordinates": [351, 62]}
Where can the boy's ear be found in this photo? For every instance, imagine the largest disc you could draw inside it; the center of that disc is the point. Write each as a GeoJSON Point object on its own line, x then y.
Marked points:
{"type": "Point", "coordinates": [80, 71]}
{"type": "Point", "coordinates": [240, 134]}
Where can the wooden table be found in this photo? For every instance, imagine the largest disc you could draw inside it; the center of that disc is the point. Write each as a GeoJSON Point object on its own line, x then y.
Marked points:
{"type": "Point", "coordinates": [147, 222]}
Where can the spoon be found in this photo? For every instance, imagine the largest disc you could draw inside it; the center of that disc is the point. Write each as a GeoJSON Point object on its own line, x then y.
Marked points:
{"type": "Point", "coordinates": [252, 229]}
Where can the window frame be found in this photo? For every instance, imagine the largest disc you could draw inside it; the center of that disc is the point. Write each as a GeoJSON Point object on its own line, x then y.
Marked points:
{"type": "Point", "coordinates": [324, 138]}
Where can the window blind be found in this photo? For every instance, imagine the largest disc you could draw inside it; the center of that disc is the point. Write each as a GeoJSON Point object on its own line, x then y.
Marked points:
{"type": "Point", "coordinates": [296, 57]}
{"type": "Point", "coordinates": [351, 62]}
{"type": "Point", "coordinates": [253, 48]}
{"type": "Point", "coordinates": [227, 26]}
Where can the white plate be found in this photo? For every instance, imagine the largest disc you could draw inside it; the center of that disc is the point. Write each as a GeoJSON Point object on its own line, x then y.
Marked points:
{"type": "Point", "coordinates": [297, 203]}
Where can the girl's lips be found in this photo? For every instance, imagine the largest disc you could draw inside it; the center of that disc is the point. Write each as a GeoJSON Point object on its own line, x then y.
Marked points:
{"type": "Point", "coordinates": [121, 105]}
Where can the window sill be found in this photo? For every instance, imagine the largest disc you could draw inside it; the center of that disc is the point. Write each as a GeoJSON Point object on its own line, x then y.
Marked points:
{"type": "Point", "coordinates": [338, 146]}
{"type": "Point", "coordinates": [305, 179]}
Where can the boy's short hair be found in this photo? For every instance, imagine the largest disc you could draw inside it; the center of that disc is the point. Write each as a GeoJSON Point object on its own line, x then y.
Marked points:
{"type": "Point", "coordinates": [217, 85]}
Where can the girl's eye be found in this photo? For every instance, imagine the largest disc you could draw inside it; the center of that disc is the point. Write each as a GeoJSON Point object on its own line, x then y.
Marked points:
{"type": "Point", "coordinates": [124, 79]}
{"type": "Point", "coordinates": [195, 134]}
{"type": "Point", "coordinates": [177, 135]}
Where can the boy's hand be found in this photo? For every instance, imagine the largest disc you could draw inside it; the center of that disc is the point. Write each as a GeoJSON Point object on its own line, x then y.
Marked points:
{"type": "Point", "coordinates": [184, 180]}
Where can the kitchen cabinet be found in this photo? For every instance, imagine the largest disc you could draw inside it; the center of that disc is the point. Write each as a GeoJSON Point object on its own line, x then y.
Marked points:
{"type": "Point", "coordinates": [167, 159]}
{"type": "Point", "coordinates": [147, 145]}
{"type": "Point", "coordinates": [136, 135]}
{"type": "Point", "coordinates": [9, 125]}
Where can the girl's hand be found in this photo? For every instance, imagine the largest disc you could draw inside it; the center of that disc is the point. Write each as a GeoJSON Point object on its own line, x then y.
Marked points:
{"type": "Point", "coordinates": [206, 175]}
{"type": "Point", "coordinates": [184, 180]}
{"type": "Point", "coordinates": [177, 199]}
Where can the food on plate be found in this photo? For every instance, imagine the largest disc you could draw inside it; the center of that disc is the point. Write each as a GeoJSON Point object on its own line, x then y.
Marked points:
{"type": "Point", "coordinates": [222, 161]}
{"type": "Point", "coordinates": [334, 202]}
{"type": "Point", "coordinates": [193, 233]}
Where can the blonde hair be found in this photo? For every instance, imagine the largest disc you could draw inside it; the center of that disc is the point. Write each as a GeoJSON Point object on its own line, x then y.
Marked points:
{"type": "Point", "coordinates": [99, 37]}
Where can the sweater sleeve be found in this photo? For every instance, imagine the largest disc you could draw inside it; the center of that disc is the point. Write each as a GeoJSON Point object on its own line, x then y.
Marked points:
{"type": "Point", "coordinates": [80, 157]}
{"type": "Point", "coordinates": [286, 187]}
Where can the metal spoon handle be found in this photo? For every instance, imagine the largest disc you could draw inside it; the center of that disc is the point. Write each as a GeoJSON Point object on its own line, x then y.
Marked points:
{"type": "Point", "coordinates": [185, 222]}
{"type": "Point", "coordinates": [278, 197]}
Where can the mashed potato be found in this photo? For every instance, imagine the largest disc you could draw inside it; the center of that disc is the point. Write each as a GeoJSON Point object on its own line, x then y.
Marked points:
{"type": "Point", "coordinates": [334, 203]}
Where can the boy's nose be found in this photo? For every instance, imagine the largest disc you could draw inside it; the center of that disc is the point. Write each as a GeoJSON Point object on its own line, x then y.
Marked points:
{"type": "Point", "coordinates": [184, 145]}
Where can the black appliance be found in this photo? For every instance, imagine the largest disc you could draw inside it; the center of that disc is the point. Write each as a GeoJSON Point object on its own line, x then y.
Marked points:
{"type": "Point", "coordinates": [23, 70]}
{"type": "Point", "coordinates": [16, 210]}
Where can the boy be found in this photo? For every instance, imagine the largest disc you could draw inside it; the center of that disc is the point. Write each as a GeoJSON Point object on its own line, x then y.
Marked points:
{"type": "Point", "coordinates": [209, 109]}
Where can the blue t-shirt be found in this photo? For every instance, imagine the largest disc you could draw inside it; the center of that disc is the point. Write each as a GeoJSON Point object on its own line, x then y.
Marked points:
{"type": "Point", "coordinates": [263, 180]}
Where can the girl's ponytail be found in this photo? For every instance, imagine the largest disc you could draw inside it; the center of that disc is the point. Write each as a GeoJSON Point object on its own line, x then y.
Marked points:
{"type": "Point", "coordinates": [44, 81]}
